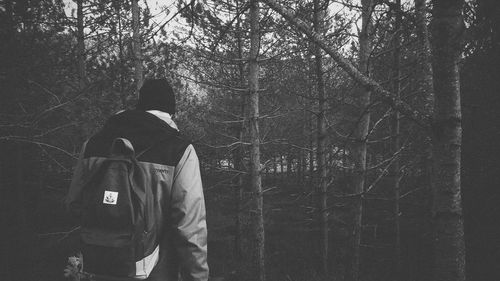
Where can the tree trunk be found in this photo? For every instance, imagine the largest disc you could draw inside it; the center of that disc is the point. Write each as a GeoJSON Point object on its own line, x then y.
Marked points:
{"type": "Point", "coordinates": [239, 182]}
{"type": "Point", "coordinates": [425, 86]}
{"type": "Point", "coordinates": [282, 169]}
{"type": "Point", "coordinates": [289, 163]}
{"type": "Point", "coordinates": [394, 169]}
{"type": "Point", "coordinates": [359, 146]}
{"type": "Point", "coordinates": [257, 218]}
{"type": "Point", "coordinates": [136, 46]}
{"type": "Point", "coordinates": [24, 235]}
{"type": "Point", "coordinates": [318, 25]}
{"type": "Point", "coordinates": [311, 173]}
{"type": "Point", "coordinates": [121, 71]}
{"type": "Point", "coordinates": [303, 152]}
{"type": "Point", "coordinates": [238, 239]}
{"type": "Point", "coordinates": [7, 206]}
{"type": "Point", "coordinates": [238, 164]}
{"type": "Point", "coordinates": [310, 123]}
{"type": "Point", "coordinates": [449, 246]}
{"type": "Point", "coordinates": [300, 162]}
{"type": "Point", "coordinates": [311, 152]}
{"type": "Point", "coordinates": [80, 39]}
{"type": "Point", "coordinates": [5, 214]}
{"type": "Point", "coordinates": [275, 168]}
{"type": "Point", "coordinates": [424, 69]}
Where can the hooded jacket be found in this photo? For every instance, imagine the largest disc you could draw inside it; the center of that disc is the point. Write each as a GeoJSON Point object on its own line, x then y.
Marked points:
{"type": "Point", "coordinates": [177, 189]}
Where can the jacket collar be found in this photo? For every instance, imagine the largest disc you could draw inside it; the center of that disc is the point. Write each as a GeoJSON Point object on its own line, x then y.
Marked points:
{"type": "Point", "coordinates": [165, 117]}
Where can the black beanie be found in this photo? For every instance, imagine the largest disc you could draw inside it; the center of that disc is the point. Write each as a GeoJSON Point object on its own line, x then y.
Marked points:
{"type": "Point", "coordinates": [156, 94]}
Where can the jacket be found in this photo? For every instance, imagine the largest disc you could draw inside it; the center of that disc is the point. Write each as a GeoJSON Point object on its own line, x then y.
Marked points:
{"type": "Point", "coordinates": [177, 189]}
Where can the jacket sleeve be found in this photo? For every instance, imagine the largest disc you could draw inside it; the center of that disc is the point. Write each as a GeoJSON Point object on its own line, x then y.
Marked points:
{"type": "Point", "coordinates": [189, 218]}
{"type": "Point", "coordinates": [73, 198]}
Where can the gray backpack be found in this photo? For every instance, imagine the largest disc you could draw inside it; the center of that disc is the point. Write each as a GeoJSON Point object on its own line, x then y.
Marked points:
{"type": "Point", "coordinates": [119, 230]}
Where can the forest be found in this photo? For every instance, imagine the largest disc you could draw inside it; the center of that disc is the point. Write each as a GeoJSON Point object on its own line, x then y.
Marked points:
{"type": "Point", "coordinates": [352, 140]}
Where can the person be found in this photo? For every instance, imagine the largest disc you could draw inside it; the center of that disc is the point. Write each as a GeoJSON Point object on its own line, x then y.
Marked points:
{"type": "Point", "coordinates": [176, 185]}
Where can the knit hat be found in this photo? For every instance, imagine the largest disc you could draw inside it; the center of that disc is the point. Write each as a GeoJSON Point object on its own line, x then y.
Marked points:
{"type": "Point", "coordinates": [156, 94]}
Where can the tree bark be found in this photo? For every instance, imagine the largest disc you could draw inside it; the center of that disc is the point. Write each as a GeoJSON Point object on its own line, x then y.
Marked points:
{"type": "Point", "coordinates": [318, 25]}
{"type": "Point", "coordinates": [282, 169]}
{"type": "Point", "coordinates": [136, 46]}
{"type": "Point", "coordinates": [239, 167]}
{"type": "Point", "coordinates": [394, 169]}
{"type": "Point", "coordinates": [258, 262]}
{"type": "Point", "coordinates": [289, 163]}
{"type": "Point", "coordinates": [311, 127]}
{"type": "Point", "coordinates": [80, 39]}
{"type": "Point", "coordinates": [359, 146]}
{"type": "Point", "coordinates": [449, 246]}
{"type": "Point", "coordinates": [238, 240]}
{"type": "Point", "coordinates": [121, 71]}
{"type": "Point", "coordinates": [275, 167]}
{"type": "Point", "coordinates": [300, 162]}
{"type": "Point", "coordinates": [238, 163]}
{"type": "Point", "coordinates": [424, 69]}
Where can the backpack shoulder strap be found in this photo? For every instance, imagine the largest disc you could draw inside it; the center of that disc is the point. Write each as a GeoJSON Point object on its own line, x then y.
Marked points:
{"type": "Point", "coordinates": [122, 146]}
{"type": "Point", "coordinates": [150, 147]}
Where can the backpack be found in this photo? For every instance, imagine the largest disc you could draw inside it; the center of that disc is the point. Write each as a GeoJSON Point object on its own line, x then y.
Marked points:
{"type": "Point", "coordinates": [119, 230]}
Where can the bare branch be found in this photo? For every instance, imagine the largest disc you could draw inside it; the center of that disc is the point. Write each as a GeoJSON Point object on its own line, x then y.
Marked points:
{"type": "Point", "coordinates": [420, 118]}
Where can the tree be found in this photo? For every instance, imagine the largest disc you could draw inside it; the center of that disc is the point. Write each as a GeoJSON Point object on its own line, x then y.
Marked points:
{"type": "Point", "coordinates": [30, 122]}
{"type": "Point", "coordinates": [240, 150]}
{"type": "Point", "coordinates": [446, 130]}
{"type": "Point", "coordinates": [82, 73]}
{"type": "Point", "coordinates": [395, 139]}
{"type": "Point", "coordinates": [360, 142]}
{"type": "Point", "coordinates": [136, 46]}
{"type": "Point", "coordinates": [367, 82]}
{"type": "Point", "coordinates": [424, 67]}
{"type": "Point", "coordinates": [258, 257]}
{"type": "Point", "coordinates": [449, 246]}
{"type": "Point", "coordinates": [479, 84]}
{"type": "Point", "coordinates": [319, 25]}
{"type": "Point", "coordinates": [308, 116]}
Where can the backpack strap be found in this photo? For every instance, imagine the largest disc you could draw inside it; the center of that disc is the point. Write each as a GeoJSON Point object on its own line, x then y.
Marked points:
{"type": "Point", "coordinates": [150, 147]}
{"type": "Point", "coordinates": [122, 146]}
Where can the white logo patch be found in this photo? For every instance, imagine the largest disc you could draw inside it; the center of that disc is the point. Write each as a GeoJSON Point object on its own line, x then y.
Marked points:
{"type": "Point", "coordinates": [110, 197]}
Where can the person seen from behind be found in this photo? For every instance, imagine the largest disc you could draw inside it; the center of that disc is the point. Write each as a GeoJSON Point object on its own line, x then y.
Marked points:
{"type": "Point", "coordinates": [175, 180]}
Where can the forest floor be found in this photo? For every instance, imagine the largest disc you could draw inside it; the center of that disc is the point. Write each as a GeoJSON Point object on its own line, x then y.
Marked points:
{"type": "Point", "coordinates": [291, 238]}
{"type": "Point", "coordinates": [290, 249]}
